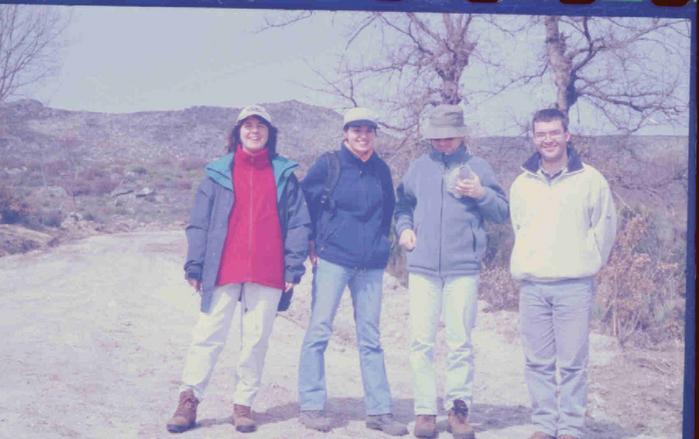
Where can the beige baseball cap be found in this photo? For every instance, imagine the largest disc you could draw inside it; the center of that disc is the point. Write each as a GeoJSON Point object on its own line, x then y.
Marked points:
{"type": "Point", "coordinates": [360, 116]}
{"type": "Point", "coordinates": [254, 110]}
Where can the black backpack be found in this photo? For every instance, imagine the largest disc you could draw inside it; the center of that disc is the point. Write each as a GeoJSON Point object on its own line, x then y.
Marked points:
{"type": "Point", "coordinates": [332, 163]}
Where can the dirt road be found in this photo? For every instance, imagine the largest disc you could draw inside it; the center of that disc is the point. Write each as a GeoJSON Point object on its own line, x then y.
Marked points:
{"type": "Point", "coordinates": [94, 336]}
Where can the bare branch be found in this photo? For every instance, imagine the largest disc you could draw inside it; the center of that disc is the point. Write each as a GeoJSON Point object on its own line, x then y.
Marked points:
{"type": "Point", "coordinates": [283, 20]}
{"type": "Point", "coordinates": [609, 63]}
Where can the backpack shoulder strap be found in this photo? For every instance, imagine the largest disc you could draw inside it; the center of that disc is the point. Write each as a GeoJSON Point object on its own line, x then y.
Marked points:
{"type": "Point", "coordinates": [332, 163]}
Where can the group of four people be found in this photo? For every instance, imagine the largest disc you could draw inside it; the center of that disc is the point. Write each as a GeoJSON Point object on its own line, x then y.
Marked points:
{"type": "Point", "coordinates": [253, 224]}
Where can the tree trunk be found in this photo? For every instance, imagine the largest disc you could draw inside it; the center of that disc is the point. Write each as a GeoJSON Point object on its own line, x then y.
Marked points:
{"type": "Point", "coordinates": [560, 64]}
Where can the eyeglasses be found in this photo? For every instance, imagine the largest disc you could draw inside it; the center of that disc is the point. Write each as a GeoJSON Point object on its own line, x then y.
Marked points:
{"type": "Point", "coordinates": [555, 134]}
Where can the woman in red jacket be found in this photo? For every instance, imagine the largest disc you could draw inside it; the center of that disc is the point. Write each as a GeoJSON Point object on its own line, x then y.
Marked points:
{"type": "Point", "coordinates": [247, 241]}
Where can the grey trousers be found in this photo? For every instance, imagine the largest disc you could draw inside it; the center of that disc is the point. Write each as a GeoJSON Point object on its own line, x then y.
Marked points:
{"type": "Point", "coordinates": [554, 324]}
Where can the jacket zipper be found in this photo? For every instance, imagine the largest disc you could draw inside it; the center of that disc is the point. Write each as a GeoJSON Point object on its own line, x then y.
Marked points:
{"type": "Point", "coordinates": [441, 215]}
{"type": "Point", "coordinates": [250, 219]}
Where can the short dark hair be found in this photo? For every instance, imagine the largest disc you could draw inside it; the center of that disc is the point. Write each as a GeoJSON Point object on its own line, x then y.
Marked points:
{"type": "Point", "coordinates": [549, 115]}
{"type": "Point", "coordinates": [234, 138]}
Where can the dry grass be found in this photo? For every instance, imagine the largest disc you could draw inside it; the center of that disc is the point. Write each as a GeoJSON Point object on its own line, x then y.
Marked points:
{"type": "Point", "coordinates": [641, 290]}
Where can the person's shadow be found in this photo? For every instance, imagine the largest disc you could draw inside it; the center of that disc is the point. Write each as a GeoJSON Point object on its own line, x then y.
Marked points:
{"type": "Point", "coordinates": [484, 417]}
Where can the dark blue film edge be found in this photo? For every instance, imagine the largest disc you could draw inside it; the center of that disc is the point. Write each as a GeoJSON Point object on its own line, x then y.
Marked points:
{"type": "Point", "coordinates": [689, 428]}
{"type": "Point", "coordinates": [627, 8]}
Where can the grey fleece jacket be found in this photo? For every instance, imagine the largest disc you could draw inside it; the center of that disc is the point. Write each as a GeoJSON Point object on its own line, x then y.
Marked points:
{"type": "Point", "coordinates": [451, 239]}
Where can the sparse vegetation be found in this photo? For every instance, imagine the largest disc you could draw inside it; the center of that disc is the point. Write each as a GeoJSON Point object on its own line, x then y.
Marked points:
{"type": "Point", "coordinates": [58, 182]}
{"type": "Point", "coordinates": [641, 289]}
{"type": "Point", "coordinates": [12, 209]}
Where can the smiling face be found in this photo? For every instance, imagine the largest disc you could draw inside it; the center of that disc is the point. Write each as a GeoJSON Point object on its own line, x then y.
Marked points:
{"type": "Point", "coordinates": [551, 139]}
{"type": "Point", "coordinates": [360, 139]}
{"type": "Point", "coordinates": [253, 134]}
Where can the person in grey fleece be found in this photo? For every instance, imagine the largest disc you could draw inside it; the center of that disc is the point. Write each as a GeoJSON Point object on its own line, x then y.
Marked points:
{"type": "Point", "coordinates": [444, 199]}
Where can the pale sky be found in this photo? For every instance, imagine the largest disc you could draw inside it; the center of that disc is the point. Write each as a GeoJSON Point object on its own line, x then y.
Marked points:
{"type": "Point", "coordinates": [144, 59]}
{"type": "Point", "coordinates": [139, 59]}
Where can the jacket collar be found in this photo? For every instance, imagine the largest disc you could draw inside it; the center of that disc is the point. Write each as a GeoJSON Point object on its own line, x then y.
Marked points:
{"type": "Point", "coordinates": [533, 163]}
{"type": "Point", "coordinates": [220, 170]}
{"type": "Point", "coordinates": [460, 155]}
{"type": "Point", "coordinates": [258, 160]}
{"type": "Point", "coordinates": [348, 156]}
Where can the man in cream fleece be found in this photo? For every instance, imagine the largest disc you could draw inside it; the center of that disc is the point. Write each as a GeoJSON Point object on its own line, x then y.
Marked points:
{"type": "Point", "coordinates": [564, 224]}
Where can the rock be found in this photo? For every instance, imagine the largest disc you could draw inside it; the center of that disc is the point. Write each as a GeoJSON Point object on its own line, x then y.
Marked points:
{"type": "Point", "coordinates": [18, 239]}
{"type": "Point", "coordinates": [145, 192]}
{"type": "Point", "coordinates": [120, 191]}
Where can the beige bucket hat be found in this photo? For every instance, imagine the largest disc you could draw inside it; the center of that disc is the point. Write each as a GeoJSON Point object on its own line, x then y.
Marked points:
{"type": "Point", "coordinates": [444, 122]}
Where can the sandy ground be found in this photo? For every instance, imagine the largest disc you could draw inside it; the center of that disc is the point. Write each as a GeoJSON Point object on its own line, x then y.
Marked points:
{"type": "Point", "coordinates": [95, 331]}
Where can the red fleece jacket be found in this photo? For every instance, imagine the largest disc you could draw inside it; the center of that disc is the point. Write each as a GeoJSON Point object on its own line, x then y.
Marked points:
{"type": "Point", "coordinates": [253, 250]}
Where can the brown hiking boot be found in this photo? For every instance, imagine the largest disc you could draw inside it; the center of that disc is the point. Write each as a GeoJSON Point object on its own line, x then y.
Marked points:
{"type": "Point", "coordinates": [386, 423]}
{"type": "Point", "coordinates": [425, 426]}
{"type": "Point", "coordinates": [186, 414]}
{"type": "Point", "coordinates": [242, 418]}
{"type": "Point", "coordinates": [315, 419]}
{"type": "Point", "coordinates": [541, 435]}
{"type": "Point", "coordinates": [458, 424]}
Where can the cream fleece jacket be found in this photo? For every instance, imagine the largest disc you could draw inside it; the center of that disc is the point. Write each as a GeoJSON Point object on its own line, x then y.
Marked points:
{"type": "Point", "coordinates": [564, 228]}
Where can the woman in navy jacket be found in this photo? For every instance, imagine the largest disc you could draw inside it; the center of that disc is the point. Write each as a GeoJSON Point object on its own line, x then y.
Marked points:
{"type": "Point", "coordinates": [349, 248]}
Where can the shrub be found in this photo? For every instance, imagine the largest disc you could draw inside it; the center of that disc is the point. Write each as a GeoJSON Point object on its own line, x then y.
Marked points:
{"type": "Point", "coordinates": [103, 185]}
{"type": "Point", "coordinates": [192, 163]}
{"type": "Point", "coordinates": [498, 289]}
{"type": "Point", "coordinates": [51, 218]}
{"type": "Point", "coordinates": [12, 209]}
{"type": "Point", "coordinates": [140, 170]}
{"type": "Point", "coordinates": [163, 161]}
{"type": "Point", "coordinates": [183, 185]}
{"type": "Point", "coordinates": [640, 291]}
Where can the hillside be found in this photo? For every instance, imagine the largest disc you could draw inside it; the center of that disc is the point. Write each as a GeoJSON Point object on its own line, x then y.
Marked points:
{"type": "Point", "coordinates": [88, 162]}
{"type": "Point", "coordinates": [70, 174]}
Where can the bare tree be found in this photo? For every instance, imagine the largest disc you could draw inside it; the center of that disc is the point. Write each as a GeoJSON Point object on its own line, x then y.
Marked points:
{"type": "Point", "coordinates": [28, 43]}
{"type": "Point", "coordinates": [404, 62]}
{"type": "Point", "coordinates": [630, 72]}
{"type": "Point", "coordinates": [621, 67]}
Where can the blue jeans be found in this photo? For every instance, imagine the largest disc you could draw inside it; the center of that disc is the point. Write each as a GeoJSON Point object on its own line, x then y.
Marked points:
{"type": "Point", "coordinates": [555, 324]}
{"type": "Point", "coordinates": [366, 287]}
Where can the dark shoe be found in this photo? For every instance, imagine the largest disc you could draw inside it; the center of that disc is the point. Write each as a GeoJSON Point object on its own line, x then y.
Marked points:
{"type": "Point", "coordinates": [567, 436]}
{"type": "Point", "coordinates": [425, 426]}
{"type": "Point", "coordinates": [541, 435]}
{"type": "Point", "coordinates": [242, 418]}
{"type": "Point", "coordinates": [185, 416]}
{"type": "Point", "coordinates": [387, 424]}
{"type": "Point", "coordinates": [315, 420]}
{"type": "Point", "coordinates": [458, 424]}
